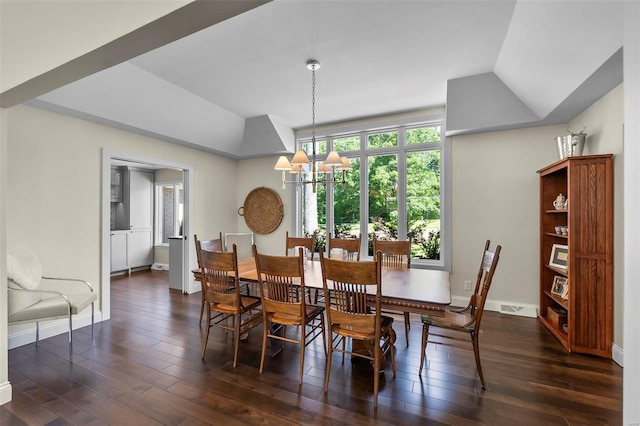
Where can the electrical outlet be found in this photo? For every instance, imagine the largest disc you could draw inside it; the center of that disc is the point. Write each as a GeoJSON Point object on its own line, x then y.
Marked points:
{"type": "Point", "coordinates": [467, 285]}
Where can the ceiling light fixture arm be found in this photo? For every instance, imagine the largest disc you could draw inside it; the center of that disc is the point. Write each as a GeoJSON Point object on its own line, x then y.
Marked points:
{"type": "Point", "coordinates": [333, 162]}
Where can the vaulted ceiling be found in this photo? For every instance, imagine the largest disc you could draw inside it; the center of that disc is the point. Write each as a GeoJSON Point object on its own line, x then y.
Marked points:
{"type": "Point", "coordinates": [241, 87]}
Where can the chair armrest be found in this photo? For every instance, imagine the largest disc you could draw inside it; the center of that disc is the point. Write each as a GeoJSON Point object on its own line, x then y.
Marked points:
{"type": "Point", "coordinates": [75, 280]}
{"type": "Point", "coordinates": [44, 292]}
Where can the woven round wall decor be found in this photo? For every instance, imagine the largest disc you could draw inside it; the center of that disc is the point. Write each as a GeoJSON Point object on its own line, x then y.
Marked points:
{"type": "Point", "coordinates": [262, 210]}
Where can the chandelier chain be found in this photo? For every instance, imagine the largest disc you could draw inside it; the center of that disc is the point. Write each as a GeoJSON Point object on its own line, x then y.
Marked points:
{"type": "Point", "coordinates": [313, 105]}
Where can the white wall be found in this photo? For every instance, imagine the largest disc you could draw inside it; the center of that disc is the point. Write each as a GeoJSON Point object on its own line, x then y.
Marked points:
{"type": "Point", "coordinates": [495, 196]}
{"type": "Point", "coordinates": [53, 202]}
{"type": "Point", "coordinates": [259, 172]}
{"type": "Point", "coordinates": [38, 36]}
{"type": "Point", "coordinates": [27, 54]}
{"type": "Point", "coordinates": [604, 126]}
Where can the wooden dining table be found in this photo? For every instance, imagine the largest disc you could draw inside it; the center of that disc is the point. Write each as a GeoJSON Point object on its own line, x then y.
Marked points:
{"type": "Point", "coordinates": [420, 291]}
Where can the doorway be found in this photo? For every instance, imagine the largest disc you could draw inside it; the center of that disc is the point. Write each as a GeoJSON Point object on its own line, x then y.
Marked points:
{"type": "Point", "coordinates": [112, 157]}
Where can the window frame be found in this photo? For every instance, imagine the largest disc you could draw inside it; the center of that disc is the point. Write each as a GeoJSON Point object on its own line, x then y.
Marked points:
{"type": "Point", "coordinates": [381, 125]}
{"type": "Point", "coordinates": [158, 222]}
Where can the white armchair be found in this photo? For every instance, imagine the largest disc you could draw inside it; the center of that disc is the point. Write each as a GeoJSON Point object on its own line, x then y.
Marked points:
{"type": "Point", "coordinates": [34, 297]}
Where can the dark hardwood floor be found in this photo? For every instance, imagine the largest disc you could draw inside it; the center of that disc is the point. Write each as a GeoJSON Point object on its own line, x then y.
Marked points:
{"type": "Point", "coordinates": [144, 367]}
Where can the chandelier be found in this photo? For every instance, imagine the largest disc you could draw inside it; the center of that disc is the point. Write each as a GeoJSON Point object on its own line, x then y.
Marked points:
{"type": "Point", "coordinates": [311, 172]}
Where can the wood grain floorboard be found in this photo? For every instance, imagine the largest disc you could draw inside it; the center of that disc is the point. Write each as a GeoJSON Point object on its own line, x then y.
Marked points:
{"type": "Point", "coordinates": [144, 367]}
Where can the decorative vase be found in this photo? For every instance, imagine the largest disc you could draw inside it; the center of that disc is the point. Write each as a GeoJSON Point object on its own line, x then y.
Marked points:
{"type": "Point", "coordinates": [571, 145]}
{"type": "Point", "coordinates": [559, 202]}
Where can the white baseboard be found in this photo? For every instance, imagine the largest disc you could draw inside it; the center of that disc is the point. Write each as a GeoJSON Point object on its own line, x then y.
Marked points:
{"type": "Point", "coordinates": [50, 329]}
{"type": "Point", "coordinates": [617, 354]}
{"type": "Point", "coordinates": [194, 286]}
{"type": "Point", "coordinates": [5, 392]}
{"type": "Point", "coordinates": [160, 266]}
{"type": "Point", "coordinates": [508, 308]}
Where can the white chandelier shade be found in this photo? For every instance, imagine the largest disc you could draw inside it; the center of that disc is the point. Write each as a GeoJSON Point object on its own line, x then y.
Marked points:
{"type": "Point", "coordinates": [319, 173]}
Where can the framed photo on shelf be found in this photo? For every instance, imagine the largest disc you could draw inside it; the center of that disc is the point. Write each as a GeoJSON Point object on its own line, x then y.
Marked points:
{"type": "Point", "coordinates": [559, 256]}
{"type": "Point", "coordinates": [560, 286]}
{"type": "Point", "coordinates": [565, 292]}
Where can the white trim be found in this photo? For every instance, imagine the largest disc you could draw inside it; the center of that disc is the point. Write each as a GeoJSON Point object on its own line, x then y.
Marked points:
{"type": "Point", "coordinates": [194, 286]}
{"type": "Point", "coordinates": [373, 124]}
{"type": "Point", "coordinates": [51, 328]}
{"type": "Point", "coordinates": [5, 392]}
{"type": "Point", "coordinates": [518, 309]}
{"type": "Point", "coordinates": [157, 205]}
{"type": "Point", "coordinates": [108, 155]}
{"type": "Point", "coordinates": [617, 354]}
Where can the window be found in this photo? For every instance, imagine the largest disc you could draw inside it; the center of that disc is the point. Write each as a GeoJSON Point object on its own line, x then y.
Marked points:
{"type": "Point", "coordinates": [394, 190]}
{"type": "Point", "coordinates": [169, 211]}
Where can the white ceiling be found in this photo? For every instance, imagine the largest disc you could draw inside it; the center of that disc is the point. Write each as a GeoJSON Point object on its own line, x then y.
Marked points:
{"type": "Point", "coordinates": [377, 57]}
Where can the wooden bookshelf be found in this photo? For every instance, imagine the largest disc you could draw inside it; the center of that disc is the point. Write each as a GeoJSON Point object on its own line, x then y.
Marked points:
{"type": "Point", "coordinates": [587, 182]}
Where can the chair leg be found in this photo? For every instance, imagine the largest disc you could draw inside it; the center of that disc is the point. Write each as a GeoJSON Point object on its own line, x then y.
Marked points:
{"type": "Point", "coordinates": [303, 331]}
{"type": "Point", "coordinates": [265, 333]}
{"type": "Point", "coordinates": [206, 333]}
{"type": "Point", "coordinates": [423, 354]}
{"type": "Point", "coordinates": [92, 318]}
{"type": "Point", "coordinates": [324, 335]}
{"type": "Point", "coordinates": [376, 372]}
{"type": "Point", "coordinates": [476, 351]}
{"type": "Point", "coordinates": [202, 307]}
{"type": "Point", "coordinates": [407, 326]}
{"type": "Point", "coordinates": [37, 333]}
{"type": "Point", "coordinates": [327, 372]}
{"type": "Point", "coordinates": [393, 360]}
{"type": "Point", "coordinates": [236, 338]}
{"type": "Point", "coordinates": [70, 337]}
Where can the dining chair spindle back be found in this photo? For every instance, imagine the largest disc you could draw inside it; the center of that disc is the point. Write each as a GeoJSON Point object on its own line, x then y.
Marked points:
{"type": "Point", "coordinates": [396, 254]}
{"type": "Point", "coordinates": [351, 315]}
{"type": "Point", "coordinates": [281, 281]}
{"type": "Point", "coordinates": [208, 245]}
{"type": "Point", "coordinates": [350, 246]}
{"type": "Point", "coordinates": [223, 298]}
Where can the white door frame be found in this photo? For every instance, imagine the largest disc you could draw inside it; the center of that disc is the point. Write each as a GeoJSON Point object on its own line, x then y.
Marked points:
{"type": "Point", "coordinates": [105, 223]}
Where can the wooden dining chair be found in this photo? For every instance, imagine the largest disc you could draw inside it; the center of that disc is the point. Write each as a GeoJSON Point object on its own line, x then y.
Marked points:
{"type": "Point", "coordinates": [396, 254]}
{"type": "Point", "coordinates": [280, 278]}
{"type": "Point", "coordinates": [308, 243]}
{"type": "Point", "coordinates": [351, 315]}
{"type": "Point", "coordinates": [351, 246]}
{"type": "Point", "coordinates": [466, 320]}
{"type": "Point", "coordinates": [350, 250]}
{"type": "Point", "coordinates": [223, 299]}
{"type": "Point", "coordinates": [208, 245]}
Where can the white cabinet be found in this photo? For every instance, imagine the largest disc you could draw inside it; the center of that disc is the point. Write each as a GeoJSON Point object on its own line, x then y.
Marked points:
{"type": "Point", "coordinates": [140, 199]}
{"type": "Point", "coordinates": [136, 210]}
{"type": "Point", "coordinates": [131, 249]}
{"type": "Point", "coordinates": [116, 185]}
{"type": "Point", "coordinates": [119, 251]}
{"type": "Point", "coordinates": [140, 248]}
{"type": "Point", "coordinates": [134, 219]}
